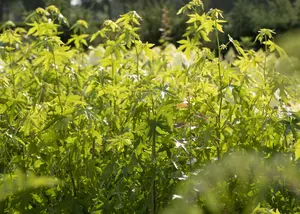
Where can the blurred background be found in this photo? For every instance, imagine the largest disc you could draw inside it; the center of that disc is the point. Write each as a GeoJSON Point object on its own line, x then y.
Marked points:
{"type": "Point", "coordinates": [245, 17]}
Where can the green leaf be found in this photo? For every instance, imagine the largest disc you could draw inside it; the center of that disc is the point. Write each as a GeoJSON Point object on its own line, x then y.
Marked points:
{"type": "Point", "coordinates": [160, 131]}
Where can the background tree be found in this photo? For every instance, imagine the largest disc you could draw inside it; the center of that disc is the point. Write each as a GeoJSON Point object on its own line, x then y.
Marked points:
{"type": "Point", "coordinates": [247, 17]}
{"type": "Point", "coordinates": [244, 17]}
{"type": "Point", "coordinates": [33, 4]}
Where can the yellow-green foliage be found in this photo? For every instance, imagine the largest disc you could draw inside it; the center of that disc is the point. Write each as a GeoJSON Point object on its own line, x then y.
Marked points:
{"type": "Point", "coordinates": [123, 123]}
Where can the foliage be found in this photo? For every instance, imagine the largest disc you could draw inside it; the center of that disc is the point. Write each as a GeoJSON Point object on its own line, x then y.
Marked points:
{"type": "Point", "coordinates": [247, 17]}
{"type": "Point", "coordinates": [159, 20]}
{"type": "Point", "coordinates": [124, 123]}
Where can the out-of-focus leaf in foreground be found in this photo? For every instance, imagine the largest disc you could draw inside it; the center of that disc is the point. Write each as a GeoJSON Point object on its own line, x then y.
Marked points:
{"type": "Point", "coordinates": [290, 43]}
{"type": "Point", "coordinates": [248, 178]}
{"type": "Point", "coordinates": [12, 184]}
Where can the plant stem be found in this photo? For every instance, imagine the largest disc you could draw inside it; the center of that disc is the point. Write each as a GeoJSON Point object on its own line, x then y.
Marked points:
{"type": "Point", "coordinates": [220, 96]}
{"type": "Point", "coordinates": [265, 73]}
{"type": "Point", "coordinates": [113, 73]}
{"type": "Point", "coordinates": [137, 63]}
{"type": "Point", "coordinates": [57, 83]}
{"type": "Point", "coordinates": [3, 205]}
{"type": "Point", "coordinates": [189, 118]}
{"type": "Point", "coordinates": [265, 62]}
{"type": "Point", "coordinates": [153, 189]}
{"type": "Point", "coordinates": [13, 75]}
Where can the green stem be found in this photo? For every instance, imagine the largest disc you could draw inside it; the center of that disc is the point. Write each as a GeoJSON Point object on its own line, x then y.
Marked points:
{"type": "Point", "coordinates": [187, 80]}
{"type": "Point", "coordinates": [265, 62]}
{"type": "Point", "coordinates": [72, 174]}
{"type": "Point", "coordinates": [137, 63]}
{"type": "Point", "coordinates": [113, 73]}
{"type": "Point", "coordinates": [265, 75]}
{"type": "Point", "coordinates": [57, 83]}
{"type": "Point", "coordinates": [220, 97]}
{"type": "Point", "coordinates": [13, 75]}
{"type": "Point", "coordinates": [153, 188]}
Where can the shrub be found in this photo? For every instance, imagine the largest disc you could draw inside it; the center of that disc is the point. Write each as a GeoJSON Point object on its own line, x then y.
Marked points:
{"type": "Point", "coordinates": [247, 17]}
{"type": "Point", "coordinates": [120, 125]}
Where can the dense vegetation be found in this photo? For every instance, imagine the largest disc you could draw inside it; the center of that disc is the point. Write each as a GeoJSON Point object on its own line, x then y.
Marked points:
{"type": "Point", "coordinates": [125, 127]}
{"type": "Point", "coordinates": [245, 17]}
